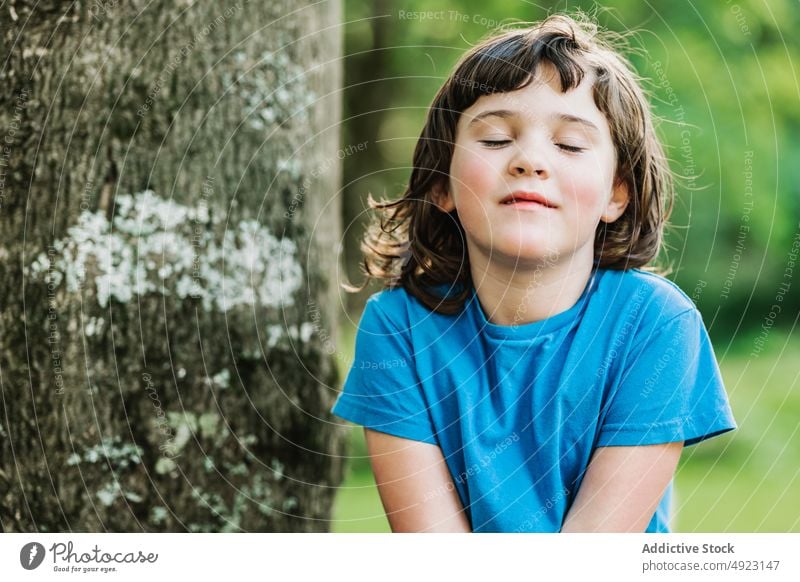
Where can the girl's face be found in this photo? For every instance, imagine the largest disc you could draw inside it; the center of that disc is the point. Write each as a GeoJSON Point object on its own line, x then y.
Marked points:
{"type": "Point", "coordinates": [532, 173]}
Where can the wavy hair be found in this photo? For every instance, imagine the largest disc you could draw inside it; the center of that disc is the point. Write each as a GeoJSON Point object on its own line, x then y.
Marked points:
{"type": "Point", "coordinates": [413, 244]}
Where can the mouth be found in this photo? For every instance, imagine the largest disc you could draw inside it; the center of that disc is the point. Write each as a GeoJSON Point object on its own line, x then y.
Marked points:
{"type": "Point", "coordinates": [521, 198]}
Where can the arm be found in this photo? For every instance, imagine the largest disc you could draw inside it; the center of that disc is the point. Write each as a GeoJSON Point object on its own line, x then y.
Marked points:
{"type": "Point", "coordinates": [622, 488]}
{"type": "Point", "coordinates": [415, 486]}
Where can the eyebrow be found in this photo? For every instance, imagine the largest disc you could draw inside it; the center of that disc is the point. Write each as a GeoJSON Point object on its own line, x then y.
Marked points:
{"type": "Point", "coordinates": [502, 113]}
{"type": "Point", "coordinates": [505, 113]}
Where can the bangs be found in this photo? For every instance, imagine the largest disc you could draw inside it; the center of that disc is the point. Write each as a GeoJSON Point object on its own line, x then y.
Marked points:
{"type": "Point", "coordinates": [509, 62]}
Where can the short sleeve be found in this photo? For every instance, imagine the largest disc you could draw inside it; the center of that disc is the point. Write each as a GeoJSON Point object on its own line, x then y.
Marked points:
{"type": "Point", "coordinates": [669, 390]}
{"type": "Point", "coordinates": [382, 390]}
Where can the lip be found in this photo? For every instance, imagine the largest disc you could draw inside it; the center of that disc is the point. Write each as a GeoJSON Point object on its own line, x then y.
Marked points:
{"type": "Point", "coordinates": [522, 198]}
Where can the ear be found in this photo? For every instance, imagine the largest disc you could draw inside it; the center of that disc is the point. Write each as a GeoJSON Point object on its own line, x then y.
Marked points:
{"type": "Point", "coordinates": [617, 204]}
{"type": "Point", "coordinates": [443, 198]}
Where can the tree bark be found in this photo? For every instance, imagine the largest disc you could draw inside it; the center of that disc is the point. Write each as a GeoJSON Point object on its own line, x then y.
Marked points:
{"type": "Point", "coordinates": [169, 219]}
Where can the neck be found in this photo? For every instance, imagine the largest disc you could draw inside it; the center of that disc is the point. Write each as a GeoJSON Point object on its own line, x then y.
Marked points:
{"type": "Point", "coordinates": [516, 294]}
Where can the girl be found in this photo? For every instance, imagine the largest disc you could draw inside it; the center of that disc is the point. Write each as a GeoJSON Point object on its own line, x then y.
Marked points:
{"type": "Point", "coordinates": [521, 372]}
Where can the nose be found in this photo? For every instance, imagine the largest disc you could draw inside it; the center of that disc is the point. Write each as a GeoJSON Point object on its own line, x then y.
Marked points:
{"type": "Point", "coordinates": [526, 161]}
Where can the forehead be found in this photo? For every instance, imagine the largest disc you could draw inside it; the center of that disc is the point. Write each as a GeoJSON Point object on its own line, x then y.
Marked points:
{"type": "Point", "coordinates": [541, 100]}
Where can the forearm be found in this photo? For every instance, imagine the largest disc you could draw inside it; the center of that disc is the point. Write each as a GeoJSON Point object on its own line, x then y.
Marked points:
{"type": "Point", "coordinates": [415, 486]}
{"type": "Point", "coordinates": [622, 488]}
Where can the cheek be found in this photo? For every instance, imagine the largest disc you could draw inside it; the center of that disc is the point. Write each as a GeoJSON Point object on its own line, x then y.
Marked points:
{"type": "Point", "coordinates": [473, 182]}
{"type": "Point", "coordinates": [590, 192]}
{"type": "Point", "coordinates": [589, 195]}
{"type": "Point", "coordinates": [473, 177]}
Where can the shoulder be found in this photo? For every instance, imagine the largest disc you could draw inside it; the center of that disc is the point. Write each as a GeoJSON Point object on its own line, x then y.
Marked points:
{"type": "Point", "coordinates": [393, 308]}
{"type": "Point", "coordinates": [392, 301]}
{"type": "Point", "coordinates": [650, 305]}
{"type": "Point", "coordinates": [653, 296]}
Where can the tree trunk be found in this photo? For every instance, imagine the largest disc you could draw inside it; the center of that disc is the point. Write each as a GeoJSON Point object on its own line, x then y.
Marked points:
{"type": "Point", "coordinates": [168, 280]}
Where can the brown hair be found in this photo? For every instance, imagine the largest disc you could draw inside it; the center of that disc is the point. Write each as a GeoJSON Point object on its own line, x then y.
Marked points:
{"type": "Point", "coordinates": [413, 244]}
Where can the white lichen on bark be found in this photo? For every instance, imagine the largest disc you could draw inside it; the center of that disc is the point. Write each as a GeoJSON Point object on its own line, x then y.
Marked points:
{"type": "Point", "coordinates": [154, 245]}
{"type": "Point", "coordinates": [274, 89]}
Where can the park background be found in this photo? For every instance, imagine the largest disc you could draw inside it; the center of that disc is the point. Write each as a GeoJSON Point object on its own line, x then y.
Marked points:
{"type": "Point", "coordinates": [722, 77]}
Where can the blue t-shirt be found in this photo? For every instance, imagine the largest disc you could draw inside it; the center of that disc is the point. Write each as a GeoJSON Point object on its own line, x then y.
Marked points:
{"type": "Point", "coordinates": [518, 410]}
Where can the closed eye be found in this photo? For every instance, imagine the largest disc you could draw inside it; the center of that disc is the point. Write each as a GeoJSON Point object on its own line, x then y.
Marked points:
{"type": "Point", "coordinates": [494, 143]}
{"type": "Point", "coordinates": [570, 148]}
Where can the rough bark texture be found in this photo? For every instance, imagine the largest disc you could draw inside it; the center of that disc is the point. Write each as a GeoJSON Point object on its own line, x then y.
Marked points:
{"type": "Point", "coordinates": [167, 275]}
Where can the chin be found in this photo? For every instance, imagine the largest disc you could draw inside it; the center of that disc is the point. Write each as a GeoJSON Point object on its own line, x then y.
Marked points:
{"type": "Point", "coordinates": [528, 250]}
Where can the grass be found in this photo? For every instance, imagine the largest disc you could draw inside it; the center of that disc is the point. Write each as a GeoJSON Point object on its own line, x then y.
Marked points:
{"type": "Point", "coordinates": [749, 481]}
{"type": "Point", "coordinates": [746, 481]}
